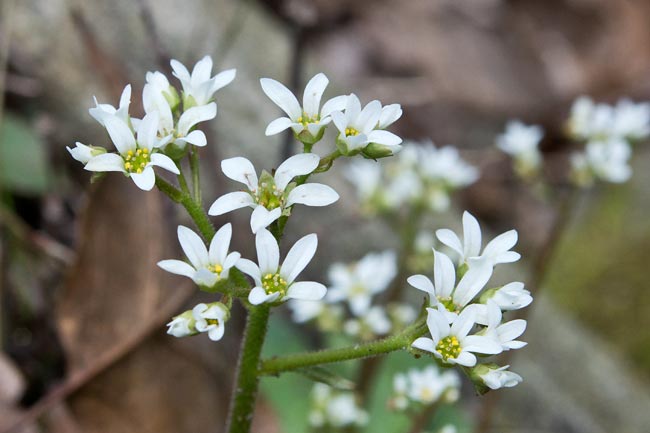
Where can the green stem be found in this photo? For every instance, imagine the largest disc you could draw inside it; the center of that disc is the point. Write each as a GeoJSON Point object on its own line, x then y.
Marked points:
{"type": "Point", "coordinates": [327, 161]}
{"type": "Point", "coordinates": [277, 365]}
{"type": "Point", "coordinates": [194, 209]}
{"type": "Point", "coordinates": [242, 405]}
{"type": "Point", "coordinates": [195, 167]}
{"type": "Point", "coordinates": [181, 180]}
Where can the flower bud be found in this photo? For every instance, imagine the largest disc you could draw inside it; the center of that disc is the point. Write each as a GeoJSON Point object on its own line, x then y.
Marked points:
{"type": "Point", "coordinates": [183, 325]}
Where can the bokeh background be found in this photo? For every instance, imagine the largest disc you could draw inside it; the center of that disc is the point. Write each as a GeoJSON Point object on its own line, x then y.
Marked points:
{"type": "Point", "coordinates": [83, 304]}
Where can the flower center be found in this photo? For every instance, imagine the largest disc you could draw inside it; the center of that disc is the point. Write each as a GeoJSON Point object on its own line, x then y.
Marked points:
{"type": "Point", "coordinates": [449, 347]}
{"type": "Point", "coordinates": [269, 196]}
{"type": "Point", "coordinates": [349, 131]}
{"type": "Point", "coordinates": [212, 322]}
{"type": "Point", "coordinates": [135, 162]}
{"type": "Point", "coordinates": [305, 119]}
{"type": "Point", "coordinates": [448, 303]}
{"type": "Point", "coordinates": [274, 283]}
{"type": "Point", "coordinates": [215, 269]}
{"type": "Point", "coordinates": [426, 395]}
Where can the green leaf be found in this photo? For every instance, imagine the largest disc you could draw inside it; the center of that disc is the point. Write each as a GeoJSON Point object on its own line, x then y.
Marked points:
{"type": "Point", "coordinates": [323, 375]}
{"type": "Point", "coordinates": [23, 160]}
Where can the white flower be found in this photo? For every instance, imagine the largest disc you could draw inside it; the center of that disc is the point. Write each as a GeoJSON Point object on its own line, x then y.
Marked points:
{"type": "Point", "coordinates": [522, 143]}
{"type": "Point", "coordinates": [428, 385]}
{"type": "Point", "coordinates": [274, 283]}
{"type": "Point", "coordinates": [122, 112]}
{"type": "Point", "coordinates": [366, 176]}
{"type": "Point", "coordinates": [135, 158]}
{"type": "Point", "coordinates": [504, 333]}
{"type": "Point", "coordinates": [449, 428]}
{"type": "Point", "coordinates": [358, 128]}
{"type": "Point", "coordinates": [372, 323]}
{"type": "Point", "coordinates": [336, 409]}
{"type": "Point", "coordinates": [358, 283]}
{"type": "Point", "coordinates": [389, 115]}
{"type": "Point", "coordinates": [182, 325]}
{"type": "Point", "coordinates": [198, 87]}
{"type": "Point", "coordinates": [206, 267]}
{"type": "Point", "coordinates": [444, 292]}
{"type": "Point", "coordinates": [496, 251]}
{"type": "Point", "coordinates": [445, 165]}
{"type": "Point", "coordinates": [607, 160]}
{"type": "Point", "coordinates": [496, 378]}
{"type": "Point", "coordinates": [83, 153]}
{"type": "Point", "coordinates": [272, 196]}
{"type": "Point", "coordinates": [304, 311]}
{"type": "Point", "coordinates": [631, 121]}
{"type": "Point", "coordinates": [602, 122]}
{"type": "Point", "coordinates": [451, 343]}
{"type": "Point", "coordinates": [512, 296]}
{"type": "Point", "coordinates": [307, 122]}
{"type": "Point", "coordinates": [158, 95]}
{"type": "Point", "coordinates": [211, 318]}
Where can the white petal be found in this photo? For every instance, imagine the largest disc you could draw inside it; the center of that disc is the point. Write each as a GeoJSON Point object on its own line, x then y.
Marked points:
{"type": "Point", "coordinates": [444, 274]}
{"type": "Point", "coordinates": [219, 245]}
{"type": "Point", "coordinates": [203, 277]}
{"type": "Point", "coordinates": [389, 115]}
{"type": "Point", "coordinates": [339, 121]}
{"type": "Point", "coordinates": [463, 323]}
{"type": "Point", "coordinates": [195, 115]}
{"type": "Point", "coordinates": [196, 137]}
{"type": "Point", "coordinates": [450, 239]}
{"type": "Point", "coordinates": [258, 296]}
{"type": "Point", "coordinates": [106, 162]}
{"type": "Point", "coordinates": [177, 267]}
{"type": "Point", "coordinates": [251, 269]}
{"type": "Point", "coordinates": [297, 165]}
{"type": "Point", "coordinates": [268, 252]}
{"type": "Point", "coordinates": [202, 70]}
{"type": "Point", "coordinates": [81, 152]}
{"type": "Point", "coordinates": [282, 97]}
{"type": "Point", "coordinates": [501, 244]}
{"type": "Point", "coordinates": [121, 135]}
{"type": "Point", "coordinates": [511, 330]}
{"type": "Point", "coordinates": [437, 323]}
{"type": "Point", "coordinates": [369, 117]}
{"type": "Point", "coordinates": [241, 170]}
{"type": "Point", "coordinates": [230, 261]}
{"type": "Point", "coordinates": [278, 125]}
{"type": "Point", "coordinates": [313, 93]}
{"type": "Point", "coordinates": [180, 71]}
{"type": "Point", "coordinates": [231, 201]}
{"type": "Point", "coordinates": [222, 79]}
{"type": "Point", "coordinates": [421, 282]}
{"type": "Point", "coordinates": [145, 180]}
{"type": "Point", "coordinates": [306, 291]}
{"type": "Point", "coordinates": [193, 247]}
{"type": "Point", "coordinates": [387, 138]}
{"type": "Point", "coordinates": [147, 130]}
{"type": "Point", "coordinates": [160, 160]}
{"type": "Point", "coordinates": [425, 344]}
{"type": "Point", "coordinates": [466, 359]}
{"type": "Point", "coordinates": [481, 344]}
{"type": "Point", "coordinates": [335, 104]}
{"type": "Point", "coordinates": [312, 194]}
{"type": "Point", "coordinates": [299, 257]}
{"type": "Point", "coordinates": [472, 283]}
{"type": "Point", "coordinates": [471, 235]}
{"type": "Point", "coordinates": [215, 334]}
{"type": "Point", "coordinates": [352, 108]}
{"type": "Point", "coordinates": [262, 218]}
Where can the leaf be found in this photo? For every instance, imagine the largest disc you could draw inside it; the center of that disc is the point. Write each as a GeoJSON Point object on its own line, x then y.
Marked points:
{"type": "Point", "coordinates": [323, 375]}
{"type": "Point", "coordinates": [23, 158]}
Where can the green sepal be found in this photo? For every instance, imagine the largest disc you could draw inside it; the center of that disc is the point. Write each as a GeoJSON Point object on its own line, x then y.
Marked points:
{"type": "Point", "coordinates": [176, 152]}
{"type": "Point", "coordinates": [376, 151]}
{"type": "Point", "coordinates": [306, 138]}
{"type": "Point", "coordinates": [97, 176]}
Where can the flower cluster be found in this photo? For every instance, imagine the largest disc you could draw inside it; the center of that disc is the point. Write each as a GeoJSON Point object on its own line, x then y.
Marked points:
{"type": "Point", "coordinates": [333, 408]}
{"type": "Point", "coordinates": [608, 133]}
{"type": "Point", "coordinates": [424, 387]}
{"type": "Point", "coordinates": [465, 318]}
{"type": "Point", "coordinates": [421, 175]}
{"type": "Point", "coordinates": [162, 135]}
{"type": "Point", "coordinates": [521, 142]}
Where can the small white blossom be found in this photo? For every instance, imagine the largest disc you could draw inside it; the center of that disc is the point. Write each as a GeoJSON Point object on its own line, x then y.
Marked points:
{"type": "Point", "coordinates": [272, 196]}
{"type": "Point", "coordinates": [334, 408]}
{"type": "Point", "coordinates": [359, 282]}
{"type": "Point", "coordinates": [206, 267]}
{"type": "Point", "coordinates": [631, 121]}
{"type": "Point", "coordinates": [451, 343]}
{"type": "Point", "coordinates": [522, 143]}
{"type": "Point", "coordinates": [309, 121]}
{"type": "Point", "coordinates": [135, 158]}
{"type": "Point", "coordinates": [371, 324]}
{"type": "Point", "coordinates": [122, 111]}
{"type": "Point", "coordinates": [275, 283]}
{"type": "Point", "coordinates": [83, 153]}
{"type": "Point", "coordinates": [444, 292]}
{"type": "Point", "coordinates": [512, 296]}
{"type": "Point", "coordinates": [504, 333]}
{"type": "Point", "coordinates": [601, 122]}
{"type": "Point", "coordinates": [424, 386]}
{"type": "Point", "coordinates": [496, 378]}
{"type": "Point", "coordinates": [604, 160]}
{"type": "Point", "coordinates": [359, 128]}
{"type": "Point", "coordinates": [496, 251]}
{"type": "Point", "coordinates": [211, 318]}
{"type": "Point", "coordinates": [198, 87]}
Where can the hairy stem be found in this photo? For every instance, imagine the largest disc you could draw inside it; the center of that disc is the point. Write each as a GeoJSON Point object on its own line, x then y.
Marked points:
{"type": "Point", "coordinates": [240, 416]}
{"type": "Point", "coordinates": [277, 365]}
{"type": "Point", "coordinates": [196, 178]}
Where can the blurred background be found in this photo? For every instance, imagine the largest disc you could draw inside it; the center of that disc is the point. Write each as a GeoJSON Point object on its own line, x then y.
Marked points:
{"type": "Point", "coordinates": [83, 305]}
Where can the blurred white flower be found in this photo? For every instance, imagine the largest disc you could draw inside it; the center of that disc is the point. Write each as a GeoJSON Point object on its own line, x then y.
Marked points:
{"type": "Point", "coordinates": [275, 283]}
{"type": "Point", "coordinates": [373, 323]}
{"type": "Point", "coordinates": [495, 252]}
{"type": "Point", "coordinates": [135, 158]}
{"type": "Point", "coordinates": [601, 122]}
{"type": "Point", "coordinates": [604, 160]}
{"type": "Point", "coordinates": [309, 121]}
{"type": "Point", "coordinates": [424, 386]}
{"type": "Point", "coordinates": [498, 377]}
{"type": "Point", "coordinates": [335, 408]}
{"type": "Point", "coordinates": [359, 282]}
{"type": "Point", "coordinates": [211, 318]}
{"type": "Point", "coordinates": [206, 267]}
{"type": "Point", "coordinates": [272, 196]}
{"type": "Point", "coordinates": [198, 87]}
{"type": "Point", "coordinates": [451, 343]}
{"type": "Point", "coordinates": [522, 143]}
